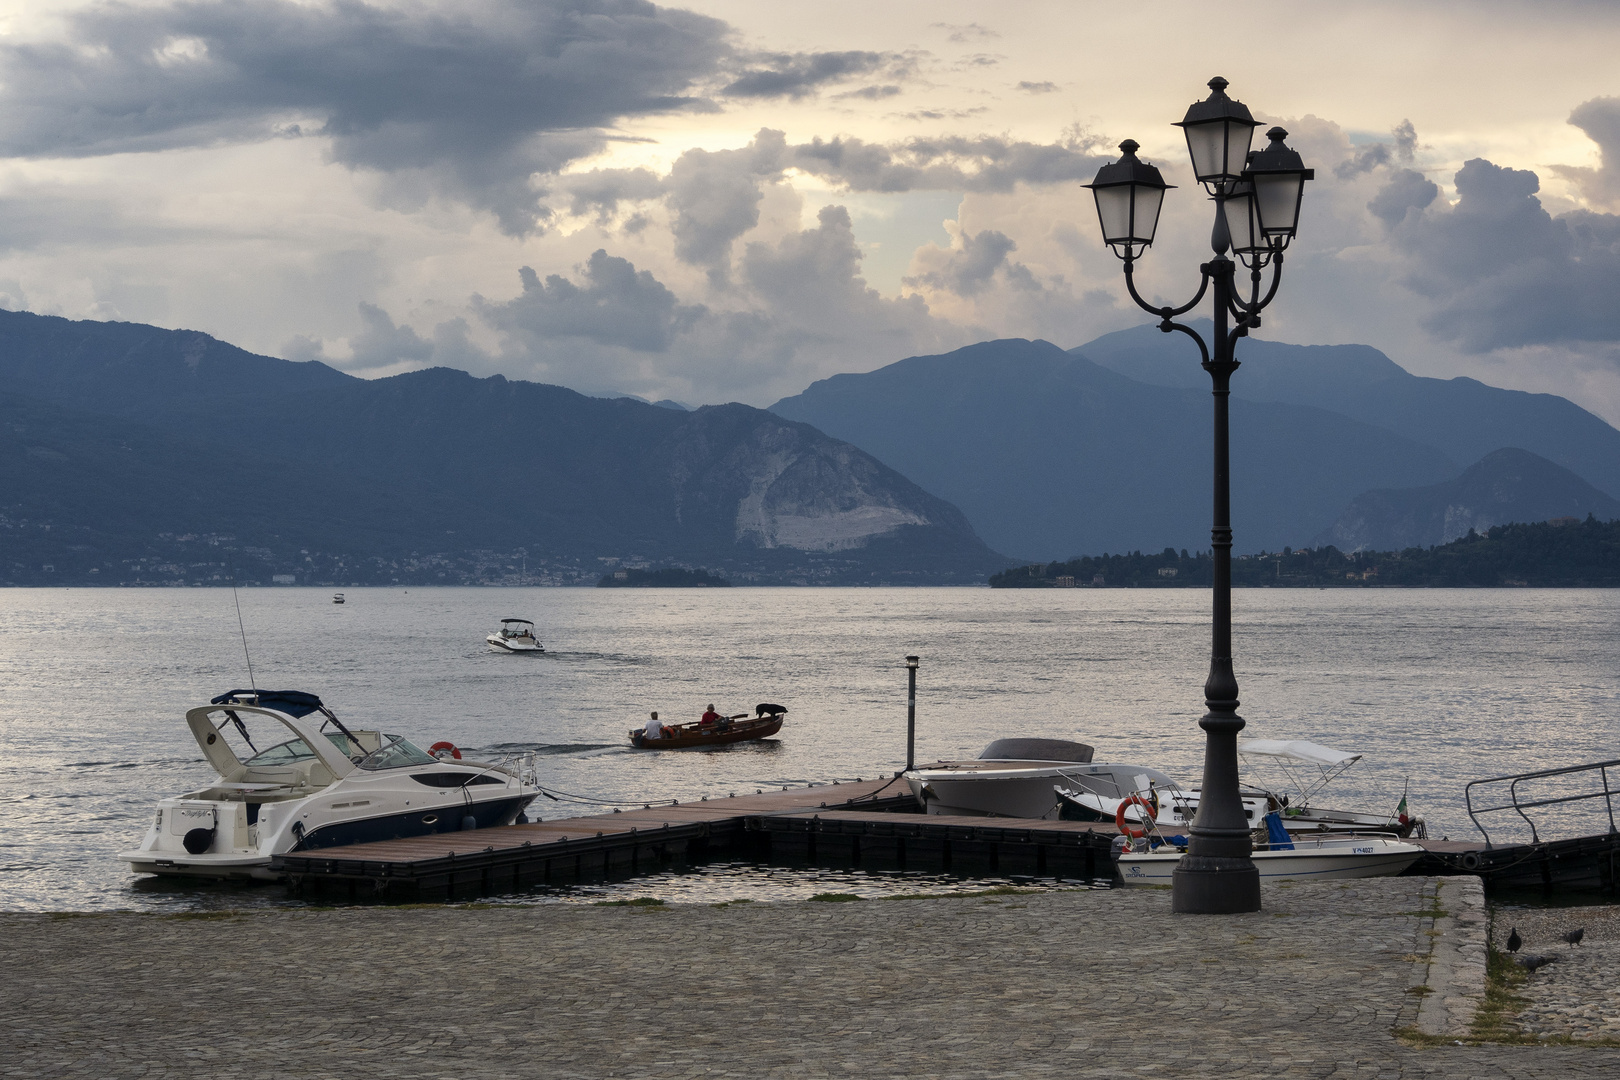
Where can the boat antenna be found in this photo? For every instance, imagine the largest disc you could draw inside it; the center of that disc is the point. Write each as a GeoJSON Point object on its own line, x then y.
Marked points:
{"type": "Point", "coordinates": [243, 629]}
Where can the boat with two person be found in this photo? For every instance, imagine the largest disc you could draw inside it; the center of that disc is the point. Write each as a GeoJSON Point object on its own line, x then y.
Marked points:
{"type": "Point", "coordinates": [712, 729]}
{"type": "Point", "coordinates": [290, 776]}
{"type": "Point", "coordinates": [1058, 779]}
{"type": "Point", "coordinates": [515, 636]}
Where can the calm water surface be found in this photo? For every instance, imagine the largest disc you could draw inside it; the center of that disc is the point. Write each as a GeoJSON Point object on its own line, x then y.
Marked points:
{"type": "Point", "coordinates": [1435, 687]}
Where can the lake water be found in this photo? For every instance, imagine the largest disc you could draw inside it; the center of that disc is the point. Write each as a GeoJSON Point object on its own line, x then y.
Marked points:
{"type": "Point", "coordinates": [1435, 687]}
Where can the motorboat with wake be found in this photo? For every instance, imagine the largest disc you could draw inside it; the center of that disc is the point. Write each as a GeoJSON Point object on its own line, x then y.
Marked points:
{"type": "Point", "coordinates": [515, 635]}
{"type": "Point", "coordinates": [1281, 856]}
{"type": "Point", "coordinates": [1020, 778]}
{"type": "Point", "coordinates": [1309, 768]}
{"type": "Point", "coordinates": [291, 777]}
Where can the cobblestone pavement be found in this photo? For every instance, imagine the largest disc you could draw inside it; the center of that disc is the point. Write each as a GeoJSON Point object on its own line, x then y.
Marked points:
{"type": "Point", "coordinates": [1578, 994]}
{"type": "Point", "coordinates": [1062, 984]}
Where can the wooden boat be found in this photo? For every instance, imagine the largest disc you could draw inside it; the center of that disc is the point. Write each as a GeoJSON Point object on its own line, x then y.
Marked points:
{"type": "Point", "coordinates": [740, 728]}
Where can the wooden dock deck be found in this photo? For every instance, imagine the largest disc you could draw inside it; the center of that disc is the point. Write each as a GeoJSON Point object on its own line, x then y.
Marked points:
{"type": "Point", "coordinates": [872, 824]}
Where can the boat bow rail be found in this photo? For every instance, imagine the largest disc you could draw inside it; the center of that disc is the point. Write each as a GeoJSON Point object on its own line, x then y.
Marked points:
{"type": "Point", "coordinates": [1520, 801]}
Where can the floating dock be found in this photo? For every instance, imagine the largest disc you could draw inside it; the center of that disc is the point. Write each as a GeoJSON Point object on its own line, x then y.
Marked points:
{"type": "Point", "coordinates": [872, 824]}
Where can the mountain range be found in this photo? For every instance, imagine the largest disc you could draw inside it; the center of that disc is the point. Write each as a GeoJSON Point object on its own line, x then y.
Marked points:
{"type": "Point", "coordinates": [1106, 447]}
{"type": "Point", "coordinates": [131, 453]}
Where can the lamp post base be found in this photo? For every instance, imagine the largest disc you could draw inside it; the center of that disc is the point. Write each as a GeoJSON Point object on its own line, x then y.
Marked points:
{"type": "Point", "coordinates": [1209, 885]}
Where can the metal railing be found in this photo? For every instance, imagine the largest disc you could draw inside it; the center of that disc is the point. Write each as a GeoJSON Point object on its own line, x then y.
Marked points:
{"type": "Point", "coordinates": [1519, 806]}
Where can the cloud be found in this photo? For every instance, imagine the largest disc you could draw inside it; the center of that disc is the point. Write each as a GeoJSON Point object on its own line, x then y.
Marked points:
{"type": "Point", "coordinates": [965, 270]}
{"type": "Point", "coordinates": [1038, 87]}
{"type": "Point", "coordinates": [965, 31]}
{"type": "Point", "coordinates": [1600, 119]}
{"type": "Point", "coordinates": [479, 96]}
{"type": "Point", "coordinates": [617, 305]}
{"type": "Point", "coordinates": [1501, 272]}
{"type": "Point", "coordinates": [1401, 148]}
{"type": "Point", "coordinates": [1405, 190]}
{"type": "Point", "coordinates": [797, 75]}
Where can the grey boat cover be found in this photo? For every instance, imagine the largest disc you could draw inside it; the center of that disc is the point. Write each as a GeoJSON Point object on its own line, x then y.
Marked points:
{"type": "Point", "coordinates": [1037, 750]}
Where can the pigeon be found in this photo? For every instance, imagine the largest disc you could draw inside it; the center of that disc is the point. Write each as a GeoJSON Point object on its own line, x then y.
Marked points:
{"type": "Point", "coordinates": [1575, 935]}
{"type": "Point", "coordinates": [1514, 940]}
{"type": "Point", "coordinates": [1531, 961]}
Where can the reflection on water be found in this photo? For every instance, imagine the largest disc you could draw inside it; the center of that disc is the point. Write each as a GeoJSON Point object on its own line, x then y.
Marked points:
{"type": "Point", "coordinates": [1435, 687]}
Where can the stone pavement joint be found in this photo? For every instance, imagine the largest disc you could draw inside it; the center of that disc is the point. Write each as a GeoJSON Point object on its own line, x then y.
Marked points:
{"type": "Point", "coordinates": [1061, 984]}
{"type": "Point", "coordinates": [1455, 979]}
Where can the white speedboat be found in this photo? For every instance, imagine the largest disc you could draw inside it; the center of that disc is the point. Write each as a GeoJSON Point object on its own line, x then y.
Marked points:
{"type": "Point", "coordinates": [1320, 858]}
{"type": "Point", "coordinates": [515, 635]}
{"type": "Point", "coordinates": [337, 598]}
{"type": "Point", "coordinates": [1019, 778]}
{"type": "Point", "coordinates": [291, 777]}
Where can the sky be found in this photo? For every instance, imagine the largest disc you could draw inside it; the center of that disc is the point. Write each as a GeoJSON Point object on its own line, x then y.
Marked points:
{"type": "Point", "coordinates": [726, 200]}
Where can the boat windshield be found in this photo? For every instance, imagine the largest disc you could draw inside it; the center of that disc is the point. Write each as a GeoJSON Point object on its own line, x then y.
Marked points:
{"type": "Point", "coordinates": [396, 753]}
{"type": "Point", "coordinates": [293, 750]}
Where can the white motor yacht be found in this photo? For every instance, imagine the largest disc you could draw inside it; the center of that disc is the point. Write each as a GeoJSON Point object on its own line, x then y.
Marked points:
{"type": "Point", "coordinates": [1019, 778]}
{"type": "Point", "coordinates": [291, 777]}
{"type": "Point", "coordinates": [515, 635]}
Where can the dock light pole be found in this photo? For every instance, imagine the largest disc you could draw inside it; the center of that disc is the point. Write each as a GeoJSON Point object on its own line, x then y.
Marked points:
{"type": "Point", "coordinates": [1257, 197]}
{"type": "Point", "coordinates": [911, 713]}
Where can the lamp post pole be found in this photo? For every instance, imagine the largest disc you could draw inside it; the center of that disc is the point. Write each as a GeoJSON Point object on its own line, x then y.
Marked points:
{"type": "Point", "coordinates": [911, 713]}
{"type": "Point", "coordinates": [1257, 197]}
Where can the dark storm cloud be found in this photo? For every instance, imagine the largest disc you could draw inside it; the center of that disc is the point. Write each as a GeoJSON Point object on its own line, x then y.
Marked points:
{"type": "Point", "coordinates": [796, 75]}
{"type": "Point", "coordinates": [481, 94]}
{"type": "Point", "coordinates": [617, 305]}
{"type": "Point", "coordinates": [1502, 272]}
{"type": "Point", "coordinates": [1406, 189]}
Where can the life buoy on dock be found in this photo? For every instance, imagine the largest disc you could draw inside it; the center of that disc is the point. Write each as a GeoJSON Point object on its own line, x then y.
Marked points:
{"type": "Point", "coordinates": [1150, 806]}
{"type": "Point", "coordinates": [444, 745]}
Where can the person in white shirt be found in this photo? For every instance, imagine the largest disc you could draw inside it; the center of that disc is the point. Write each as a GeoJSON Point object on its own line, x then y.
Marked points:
{"type": "Point", "coordinates": [654, 729]}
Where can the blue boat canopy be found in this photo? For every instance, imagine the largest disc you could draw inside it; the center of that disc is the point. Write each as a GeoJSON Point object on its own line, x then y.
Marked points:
{"type": "Point", "coordinates": [294, 703]}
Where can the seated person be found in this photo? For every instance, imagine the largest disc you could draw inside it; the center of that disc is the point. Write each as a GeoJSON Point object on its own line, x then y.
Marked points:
{"type": "Point", "coordinates": [710, 718]}
{"type": "Point", "coordinates": [655, 728]}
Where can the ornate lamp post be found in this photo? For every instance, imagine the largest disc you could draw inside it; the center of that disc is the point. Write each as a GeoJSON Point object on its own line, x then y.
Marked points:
{"type": "Point", "coordinates": [1257, 197]}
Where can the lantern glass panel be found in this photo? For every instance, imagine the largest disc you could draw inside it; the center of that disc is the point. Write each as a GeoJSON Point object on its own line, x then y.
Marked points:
{"type": "Point", "coordinates": [1149, 200]}
{"type": "Point", "coordinates": [1114, 211]}
{"type": "Point", "coordinates": [1238, 137]}
{"type": "Point", "coordinates": [1241, 222]}
{"type": "Point", "coordinates": [1206, 143]}
{"type": "Point", "coordinates": [1277, 201]}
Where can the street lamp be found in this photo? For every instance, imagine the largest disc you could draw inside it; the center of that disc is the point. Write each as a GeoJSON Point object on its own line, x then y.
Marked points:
{"type": "Point", "coordinates": [1257, 198]}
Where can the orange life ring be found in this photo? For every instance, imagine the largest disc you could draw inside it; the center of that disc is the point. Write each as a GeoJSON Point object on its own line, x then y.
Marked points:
{"type": "Point", "coordinates": [1152, 808]}
{"type": "Point", "coordinates": [443, 745]}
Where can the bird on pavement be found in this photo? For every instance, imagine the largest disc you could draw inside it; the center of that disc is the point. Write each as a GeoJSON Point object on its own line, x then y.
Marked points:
{"type": "Point", "coordinates": [1575, 935]}
{"type": "Point", "coordinates": [1514, 940]}
{"type": "Point", "coordinates": [1531, 961]}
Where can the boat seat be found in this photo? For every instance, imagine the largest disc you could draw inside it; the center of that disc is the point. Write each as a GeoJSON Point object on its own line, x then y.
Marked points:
{"type": "Point", "coordinates": [285, 777]}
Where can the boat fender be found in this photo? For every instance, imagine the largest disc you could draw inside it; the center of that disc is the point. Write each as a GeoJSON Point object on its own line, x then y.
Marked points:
{"type": "Point", "coordinates": [442, 747]}
{"type": "Point", "coordinates": [1149, 805]}
{"type": "Point", "coordinates": [1470, 860]}
{"type": "Point", "coordinates": [198, 841]}
{"type": "Point", "coordinates": [469, 823]}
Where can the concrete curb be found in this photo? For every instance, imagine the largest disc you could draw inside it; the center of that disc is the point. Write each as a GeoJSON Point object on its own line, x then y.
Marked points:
{"type": "Point", "coordinates": [1456, 970]}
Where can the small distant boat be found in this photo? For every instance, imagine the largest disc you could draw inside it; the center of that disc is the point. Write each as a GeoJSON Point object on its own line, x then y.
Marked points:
{"type": "Point", "coordinates": [515, 635]}
{"type": "Point", "coordinates": [729, 729]}
{"type": "Point", "coordinates": [337, 598]}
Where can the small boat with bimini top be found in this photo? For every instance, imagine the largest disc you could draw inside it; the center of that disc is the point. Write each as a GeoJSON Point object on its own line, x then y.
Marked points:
{"type": "Point", "coordinates": [1281, 856]}
{"type": "Point", "coordinates": [515, 635]}
{"type": "Point", "coordinates": [290, 776]}
{"type": "Point", "coordinates": [713, 730]}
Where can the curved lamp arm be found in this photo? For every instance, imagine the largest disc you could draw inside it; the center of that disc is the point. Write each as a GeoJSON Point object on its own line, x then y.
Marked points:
{"type": "Point", "coordinates": [1255, 303]}
{"type": "Point", "coordinates": [1167, 313]}
{"type": "Point", "coordinates": [1167, 326]}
